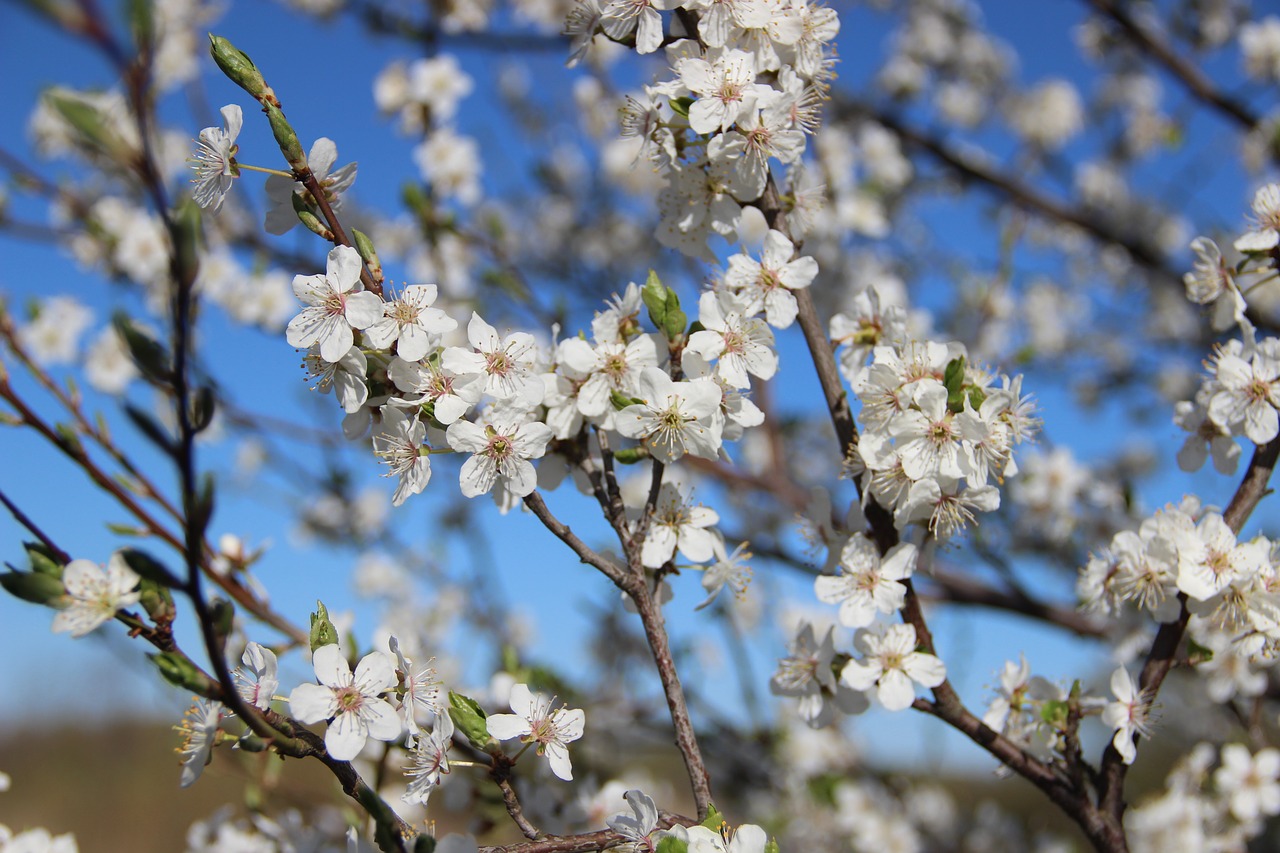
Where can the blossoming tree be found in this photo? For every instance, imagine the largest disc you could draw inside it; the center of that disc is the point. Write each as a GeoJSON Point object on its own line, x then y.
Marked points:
{"type": "Point", "coordinates": [613, 352]}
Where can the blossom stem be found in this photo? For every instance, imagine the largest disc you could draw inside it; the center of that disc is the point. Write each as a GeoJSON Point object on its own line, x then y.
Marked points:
{"type": "Point", "coordinates": [265, 170]}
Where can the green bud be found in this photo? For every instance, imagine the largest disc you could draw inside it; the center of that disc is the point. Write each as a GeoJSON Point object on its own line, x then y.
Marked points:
{"type": "Point", "coordinates": [148, 567]}
{"type": "Point", "coordinates": [1054, 712]}
{"type": "Point", "coordinates": [185, 233]}
{"type": "Point", "coordinates": [424, 844]}
{"type": "Point", "coordinates": [322, 631]}
{"type": "Point", "coordinates": [714, 819]}
{"type": "Point", "coordinates": [772, 846]}
{"type": "Point", "coordinates": [178, 670]}
{"type": "Point", "coordinates": [286, 137]}
{"type": "Point", "coordinates": [621, 401]}
{"type": "Point", "coordinates": [953, 379]}
{"type": "Point", "coordinates": [370, 255]}
{"type": "Point", "coordinates": [43, 560]}
{"type": "Point", "coordinates": [237, 66]}
{"type": "Point", "coordinates": [36, 587]}
{"type": "Point", "coordinates": [143, 24]}
{"type": "Point", "coordinates": [630, 455]}
{"type": "Point", "coordinates": [308, 217]}
{"type": "Point", "coordinates": [664, 308]}
{"type": "Point", "coordinates": [680, 106]}
{"type": "Point", "coordinates": [157, 601]}
{"type": "Point", "coordinates": [469, 718]}
{"type": "Point", "coordinates": [69, 438]}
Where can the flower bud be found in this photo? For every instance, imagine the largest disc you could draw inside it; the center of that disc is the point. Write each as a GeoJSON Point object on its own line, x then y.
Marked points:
{"type": "Point", "coordinates": [286, 138]}
{"type": "Point", "coordinates": [238, 67]}
{"type": "Point", "coordinates": [36, 587]}
{"type": "Point", "coordinates": [178, 670]}
{"type": "Point", "coordinates": [469, 718]}
{"type": "Point", "coordinates": [322, 631]}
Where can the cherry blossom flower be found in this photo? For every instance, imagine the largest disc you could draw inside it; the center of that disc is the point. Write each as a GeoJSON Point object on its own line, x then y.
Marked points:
{"type": "Point", "coordinates": [677, 523]}
{"type": "Point", "coordinates": [1247, 392]}
{"type": "Point", "coordinates": [506, 363]}
{"type": "Point", "coordinates": [94, 596]}
{"type": "Point", "coordinates": [429, 761]}
{"type": "Point", "coordinates": [726, 88]}
{"type": "Point", "coordinates": [1266, 213]}
{"type": "Point", "coordinates": [501, 454]}
{"type": "Point", "coordinates": [675, 418]}
{"type": "Point", "coordinates": [806, 674]}
{"type": "Point", "coordinates": [1250, 783]}
{"type": "Point", "coordinates": [215, 160]}
{"type": "Point", "coordinates": [52, 337]}
{"type": "Point", "coordinates": [351, 703]}
{"type": "Point", "coordinates": [738, 344]}
{"type": "Point", "coordinates": [867, 585]}
{"type": "Point", "coordinates": [400, 441]}
{"type": "Point", "coordinates": [265, 681]}
{"type": "Point", "coordinates": [535, 722]}
{"type": "Point", "coordinates": [767, 283]}
{"type": "Point", "coordinates": [333, 307]}
{"type": "Point", "coordinates": [345, 377]}
{"type": "Point", "coordinates": [621, 18]}
{"type": "Point", "coordinates": [450, 396]}
{"type": "Point", "coordinates": [411, 323]}
{"type": "Point", "coordinates": [1210, 559]}
{"type": "Point", "coordinates": [199, 730]}
{"type": "Point", "coordinates": [729, 569]}
{"type": "Point", "coordinates": [1129, 715]}
{"type": "Point", "coordinates": [640, 824]}
{"type": "Point", "coordinates": [421, 689]}
{"type": "Point", "coordinates": [891, 664]}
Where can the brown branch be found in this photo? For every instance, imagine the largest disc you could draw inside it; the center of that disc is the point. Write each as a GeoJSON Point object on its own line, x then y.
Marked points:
{"type": "Point", "coordinates": [1187, 73]}
{"type": "Point", "coordinates": [607, 567]}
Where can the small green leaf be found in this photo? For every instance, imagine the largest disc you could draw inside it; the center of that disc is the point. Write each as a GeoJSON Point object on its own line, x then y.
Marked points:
{"type": "Point", "coordinates": [203, 406]}
{"type": "Point", "coordinates": [323, 633]}
{"type": "Point", "coordinates": [680, 106]}
{"type": "Point", "coordinates": [43, 560]}
{"type": "Point", "coordinates": [670, 844]}
{"type": "Point", "coordinates": [630, 455]}
{"type": "Point", "coordinates": [185, 232]}
{"type": "Point", "coordinates": [713, 819]}
{"type": "Point", "coordinates": [157, 601]}
{"type": "Point", "coordinates": [654, 296]}
{"type": "Point", "coordinates": [151, 428]}
{"type": "Point", "coordinates": [148, 355]}
{"type": "Point", "coordinates": [470, 719]}
{"type": "Point", "coordinates": [202, 513]}
{"type": "Point", "coordinates": [772, 846]}
{"type": "Point", "coordinates": [621, 401]}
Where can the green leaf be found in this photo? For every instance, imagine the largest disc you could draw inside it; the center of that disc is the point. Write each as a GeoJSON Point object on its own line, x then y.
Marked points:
{"type": "Point", "coordinates": [203, 406]}
{"type": "Point", "coordinates": [671, 844]}
{"type": "Point", "coordinates": [953, 379]}
{"type": "Point", "coordinates": [714, 819]}
{"type": "Point", "coordinates": [323, 633]}
{"type": "Point", "coordinates": [43, 560]}
{"type": "Point", "coordinates": [36, 587]}
{"type": "Point", "coordinates": [621, 401]}
{"type": "Point", "coordinates": [680, 106]}
{"type": "Point", "coordinates": [86, 120]}
{"type": "Point", "coordinates": [148, 355]}
{"type": "Point", "coordinates": [202, 512]}
{"type": "Point", "coordinates": [152, 429]}
{"type": "Point", "coordinates": [185, 232]}
{"type": "Point", "coordinates": [470, 719]}
{"type": "Point", "coordinates": [772, 846]}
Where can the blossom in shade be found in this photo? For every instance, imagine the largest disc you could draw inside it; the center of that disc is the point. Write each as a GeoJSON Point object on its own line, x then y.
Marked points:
{"type": "Point", "coordinates": [1129, 715]}
{"type": "Point", "coordinates": [215, 160]}
{"type": "Point", "coordinates": [199, 730]}
{"type": "Point", "coordinates": [258, 689]}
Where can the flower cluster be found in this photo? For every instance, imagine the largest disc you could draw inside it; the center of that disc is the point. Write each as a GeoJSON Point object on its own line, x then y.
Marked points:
{"type": "Point", "coordinates": [936, 432]}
